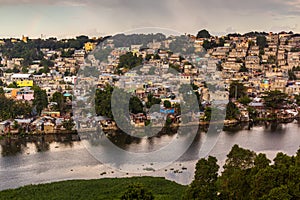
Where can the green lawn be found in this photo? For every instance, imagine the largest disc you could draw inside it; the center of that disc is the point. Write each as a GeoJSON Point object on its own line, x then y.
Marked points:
{"type": "Point", "coordinates": [95, 189]}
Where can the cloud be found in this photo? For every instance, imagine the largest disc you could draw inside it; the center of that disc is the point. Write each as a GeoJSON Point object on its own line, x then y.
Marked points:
{"type": "Point", "coordinates": [230, 30]}
{"type": "Point", "coordinates": [44, 2]}
{"type": "Point", "coordinates": [186, 16]}
{"type": "Point", "coordinates": [284, 28]}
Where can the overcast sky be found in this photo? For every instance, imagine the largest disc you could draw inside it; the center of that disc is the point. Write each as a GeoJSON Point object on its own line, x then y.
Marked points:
{"type": "Point", "coordinates": [68, 18]}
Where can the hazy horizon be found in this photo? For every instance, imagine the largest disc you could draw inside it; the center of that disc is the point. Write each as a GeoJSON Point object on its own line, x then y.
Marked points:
{"type": "Point", "coordinates": [70, 18]}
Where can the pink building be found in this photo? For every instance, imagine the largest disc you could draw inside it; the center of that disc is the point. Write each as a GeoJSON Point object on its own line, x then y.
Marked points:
{"type": "Point", "coordinates": [25, 95]}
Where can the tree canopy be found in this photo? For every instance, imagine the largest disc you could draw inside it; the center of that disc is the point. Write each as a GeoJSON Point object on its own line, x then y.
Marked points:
{"type": "Point", "coordinates": [203, 34]}
{"type": "Point", "coordinates": [246, 175]}
{"type": "Point", "coordinates": [138, 192]}
{"type": "Point", "coordinates": [129, 61]}
{"type": "Point", "coordinates": [274, 99]}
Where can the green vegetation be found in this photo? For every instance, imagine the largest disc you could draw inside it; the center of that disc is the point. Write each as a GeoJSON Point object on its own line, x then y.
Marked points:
{"type": "Point", "coordinates": [137, 191]}
{"type": "Point", "coordinates": [203, 34]}
{"type": "Point", "coordinates": [175, 67]}
{"type": "Point", "coordinates": [13, 109]}
{"type": "Point", "coordinates": [245, 100]}
{"type": "Point", "coordinates": [261, 41]}
{"type": "Point", "coordinates": [152, 101]}
{"type": "Point", "coordinates": [103, 101]}
{"type": "Point", "coordinates": [135, 105]}
{"type": "Point", "coordinates": [237, 90]}
{"type": "Point", "coordinates": [247, 175]}
{"type": "Point", "coordinates": [243, 69]}
{"type": "Point", "coordinates": [232, 112]}
{"type": "Point", "coordinates": [40, 99]}
{"type": "Point", "coordinates": [68, 124]}
{"type": "Point", "coordinates": [204, 184]}
{"type": "Point", "coordinates": [182, 46]}
{"type": "Point", "coordinates": [275, 99]}
{"type": "Point", "coordinates": [167, 104]}
{"type": "Point", "coordinates": [129, 61]}
{"type": "Point", "coordinates": [58, 98]}
{"type": "Point", "coordinates": [105, 189]}
{"type": "Point", "coordinates": [31, 50]}
{"type": "Point", "coordinates": [212, 44]}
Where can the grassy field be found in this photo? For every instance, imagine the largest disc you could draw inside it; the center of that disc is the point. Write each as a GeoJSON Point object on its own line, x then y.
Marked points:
{"type": "Point", "coordinates": [95, 189]}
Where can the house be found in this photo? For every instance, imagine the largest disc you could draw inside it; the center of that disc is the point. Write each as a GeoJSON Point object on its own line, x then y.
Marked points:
{"type": "Point", "coordinates": [253, 62]}
{"type": "Point", "coordinates": [89, 46]}
{"type": "Point", "coordinates": [23, 80]}
{"type": "Point", "coordinates": [257, 103]}
{"type": "Point", "coordinates": [51, 113]}
{"type": "Point", "coordinates": [70, 79]}
{"type": "Point", "coordinates": [25, 94]}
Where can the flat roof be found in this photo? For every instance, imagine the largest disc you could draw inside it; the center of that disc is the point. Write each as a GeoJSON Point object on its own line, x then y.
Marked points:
{"type": "Point", "coordinates": [21, 76]}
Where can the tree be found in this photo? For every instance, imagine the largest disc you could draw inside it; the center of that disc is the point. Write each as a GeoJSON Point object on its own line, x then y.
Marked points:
{"type": "Point", "coordinates": [129, 61]}
{"type": "Point", "coordinates": [207, 45]}
{"type": "Point", "coordinates": [278, 193]}
{"type": "Point", "coordinates": [68, 124]}
{"type": "Point", "coordinates": [274, 99]}
{"type": "Point", "coordinates": [243, 69]}
{"type": "Point", "coordinates": [292, 75]}
{"type": "Point", "coordinates": [204, 183]}
{"type": "Point", "coordinates": [137, 192]}
{"type": "Point", "coordinates": [207, 113]}
{"type": "Point", "coordinates": [219, 67]}
{"type": "Point", "coordinates": [24, 69]}
{"type": "Point", "coordinates": [175, 67]}
{"type": "Point", "coordinates": [237, 90]}
{"type": "Point", "coordinates": [240, 158]}
{"type": "Point", "coordinates": [203, 34]}
{"type": "Point", "coordinates": [58, 98]}
{"type": "Point", "coordinates": [152, 101]}
{"type": "Point", "coordinates": [13, 85]}
{"type": "Point", "coordinates": [167, 104]}
{"type": "Point", "coordinates": [238, 164]}
{"type": "Point", "coordinates": [103, 101]}
{"type": "Point", "coordinates": [245, 100]}
{"type": "Point", "coordinates": [40, 99]}
{"type": "Point", "coordinates": [261, 41]}
{"type": "Point", "coordinates": [135, 105]}
{"type": "Point", "coordinates": [2, 91]}
{"type": "Point", "coordinates": [232, 112]}
{"type": "Point", "coordinates": [20, 108]}
{"type": "Point", "coordinates": [262, 182]}
{"type": "Point", "coordinates": [261, 161]}
{"type": "Point", "coordinates": [46, 63]}
{"type": "Point", "coordinates": [6, 111]}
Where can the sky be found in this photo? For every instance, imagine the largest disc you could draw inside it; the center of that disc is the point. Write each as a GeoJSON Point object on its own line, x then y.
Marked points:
{"type": "Point", "coordinates": [69, 18]}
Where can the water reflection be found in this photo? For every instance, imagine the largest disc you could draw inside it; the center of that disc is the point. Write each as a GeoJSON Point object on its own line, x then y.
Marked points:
{"type": "Point", "coordinates": [14, 145]}
{"type": "Point", "coordinates": [11, 146]}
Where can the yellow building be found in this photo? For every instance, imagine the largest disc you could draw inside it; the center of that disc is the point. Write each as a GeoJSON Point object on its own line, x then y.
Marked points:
{"type": "Point", "coordinates": [25, 83]}
{"type": "Point", "coordinates": [89, 46]}
{"type": "Point", "coordinates": [265, 84]}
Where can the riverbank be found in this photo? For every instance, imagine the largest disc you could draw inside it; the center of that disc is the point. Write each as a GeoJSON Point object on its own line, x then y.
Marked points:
{"type": "Point", "coordinates": [63, 132]}
{"type": "Point", "coordinates": [109, 188]}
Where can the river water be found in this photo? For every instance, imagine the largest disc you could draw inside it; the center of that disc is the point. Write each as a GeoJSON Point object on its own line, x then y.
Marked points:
{"type": "Point", "coordinates": [51, 158]}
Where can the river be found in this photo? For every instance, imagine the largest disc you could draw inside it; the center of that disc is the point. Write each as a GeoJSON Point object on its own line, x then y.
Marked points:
{"type": "Point", "coordinates": [51, 158]}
